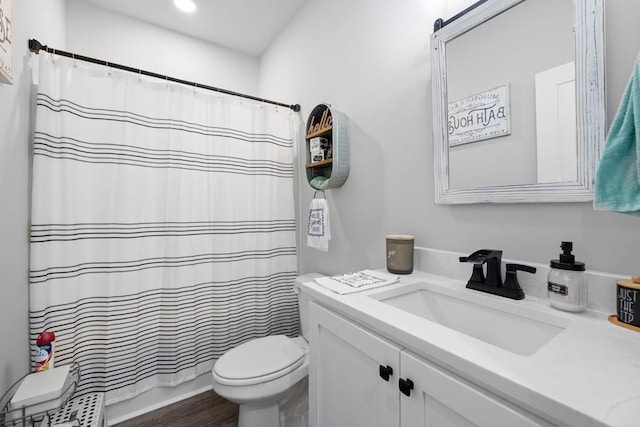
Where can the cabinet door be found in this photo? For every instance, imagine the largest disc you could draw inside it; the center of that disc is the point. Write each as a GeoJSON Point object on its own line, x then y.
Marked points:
{"type": "Point", "coordinates": [440, 399]}
{"type": "Point", "coordinates": [345, 386]}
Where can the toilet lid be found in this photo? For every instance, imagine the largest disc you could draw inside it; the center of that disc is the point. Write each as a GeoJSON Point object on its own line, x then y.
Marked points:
{"type": "Point", "coordinates": [259, 360]}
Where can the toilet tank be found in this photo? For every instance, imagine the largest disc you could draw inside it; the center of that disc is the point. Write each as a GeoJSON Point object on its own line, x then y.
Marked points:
{"type": "Point", "coordinates": [303, 302]}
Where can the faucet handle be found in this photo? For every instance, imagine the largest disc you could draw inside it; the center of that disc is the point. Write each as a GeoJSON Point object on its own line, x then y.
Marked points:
{"type": "Point", "coordinates": [511, 277]}
{"type": "Point", "coordinates": [520, 267]}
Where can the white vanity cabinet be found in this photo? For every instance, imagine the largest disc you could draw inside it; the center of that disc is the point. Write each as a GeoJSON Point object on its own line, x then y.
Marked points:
{"type": "Point", "coordinates": [347, 388]}
{"type": "Point", "coordinates": [442, 399]}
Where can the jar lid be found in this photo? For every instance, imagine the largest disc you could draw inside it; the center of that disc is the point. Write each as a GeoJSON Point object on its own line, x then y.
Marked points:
{"type": "Point", "coordinates": [573, 266]}
{"type": "Point", "coordinates": [634, 282]}
{"type": "Point", "coordinates": [567, 261]}
{"type": "Point", "coordinates": [400, 237]}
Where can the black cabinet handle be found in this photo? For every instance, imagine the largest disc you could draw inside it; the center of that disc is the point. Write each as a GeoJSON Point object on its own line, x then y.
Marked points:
{"type": "Point", "coordinates": [386, 372]}
{"type": "Point", "coordinates": [405, 386]}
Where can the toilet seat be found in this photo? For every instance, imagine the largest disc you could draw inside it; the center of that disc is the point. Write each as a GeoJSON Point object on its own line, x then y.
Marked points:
{"type": "Point", "coordinates": [258, 361]}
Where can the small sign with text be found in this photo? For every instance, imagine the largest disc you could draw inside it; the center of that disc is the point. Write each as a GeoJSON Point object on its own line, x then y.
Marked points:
{"type": "Point", "coordinates": [6, 36]}
{"type": "Point", "coordinates": [482, 116]}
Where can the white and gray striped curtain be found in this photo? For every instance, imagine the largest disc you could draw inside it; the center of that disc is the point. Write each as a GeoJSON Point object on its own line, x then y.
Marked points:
{"type": "Point", "coordinates": [163, 229]}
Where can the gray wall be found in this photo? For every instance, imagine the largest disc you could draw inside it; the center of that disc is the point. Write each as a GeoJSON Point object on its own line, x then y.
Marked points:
{"type": "Point", "coordinates": [44, 20]}
{"type": "Point", "coordinates": [90, 31]}
{"type": "Point", "coordinates": [371, 61]}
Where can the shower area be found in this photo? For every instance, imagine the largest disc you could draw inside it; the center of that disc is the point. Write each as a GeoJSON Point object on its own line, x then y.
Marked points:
{"type": "Point", "coordinates": [163, 225]}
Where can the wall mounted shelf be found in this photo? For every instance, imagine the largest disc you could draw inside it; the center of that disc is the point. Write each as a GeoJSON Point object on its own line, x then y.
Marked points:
{"type": "Point", "coordinates": [321, 132]}
{"type": "Point", "coordinates": [320, 164]}
{"type": "Point", "coordinates": [333, 168]}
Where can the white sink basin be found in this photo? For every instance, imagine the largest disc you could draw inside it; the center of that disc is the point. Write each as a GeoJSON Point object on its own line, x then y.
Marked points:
{"type": "Point", "coordinates": [485, 317]}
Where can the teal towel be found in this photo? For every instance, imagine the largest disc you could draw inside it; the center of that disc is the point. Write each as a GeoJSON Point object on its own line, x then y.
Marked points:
{"type": "Point", "coordinates": [319, 182]}
{"type": "Point", "coordinates": [617, 186]}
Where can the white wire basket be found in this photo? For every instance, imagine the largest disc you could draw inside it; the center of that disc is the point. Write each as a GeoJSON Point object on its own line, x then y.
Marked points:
{"type": "Point", "coordinates": [34, 415]}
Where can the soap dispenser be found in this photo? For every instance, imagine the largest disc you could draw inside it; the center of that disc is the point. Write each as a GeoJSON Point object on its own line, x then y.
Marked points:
{"type": "Point", "coordinates": [567, 284]}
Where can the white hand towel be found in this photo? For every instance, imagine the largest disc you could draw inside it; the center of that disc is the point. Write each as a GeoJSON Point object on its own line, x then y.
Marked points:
{"type": "Point", "coordinates": [318, 233]}
{"type": "Point", "coordinates": [356, 282]}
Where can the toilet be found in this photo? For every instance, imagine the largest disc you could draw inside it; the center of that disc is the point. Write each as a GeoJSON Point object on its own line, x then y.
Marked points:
{"type": "Point", "coordinates": [259, 374]}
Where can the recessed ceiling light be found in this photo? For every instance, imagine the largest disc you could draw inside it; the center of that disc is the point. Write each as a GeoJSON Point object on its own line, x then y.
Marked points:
{"type": "Point", "coordinates": [187, 6]}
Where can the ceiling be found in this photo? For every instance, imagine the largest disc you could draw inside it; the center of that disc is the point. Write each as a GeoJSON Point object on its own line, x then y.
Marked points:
{"type": "Point", "coordinates": [247, 26]}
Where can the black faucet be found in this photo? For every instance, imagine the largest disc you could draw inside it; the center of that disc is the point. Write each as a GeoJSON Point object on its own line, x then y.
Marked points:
{"type": "Point", "coordinates": [493, 282]}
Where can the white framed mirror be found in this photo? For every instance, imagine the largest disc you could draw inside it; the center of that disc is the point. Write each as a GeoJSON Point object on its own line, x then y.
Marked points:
{"type": "Point", "coordinates": [519, 102]}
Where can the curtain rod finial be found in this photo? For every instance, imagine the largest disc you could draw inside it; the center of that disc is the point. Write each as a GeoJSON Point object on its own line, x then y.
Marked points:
{"type": "Point", "coordinates": [35, 46]}
{"type": "Point", "coordinates": [296, 107]}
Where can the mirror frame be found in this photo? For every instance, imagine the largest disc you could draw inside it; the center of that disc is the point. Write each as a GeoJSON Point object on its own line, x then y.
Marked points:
{"type": "Point", "coordinates": [590, 109]}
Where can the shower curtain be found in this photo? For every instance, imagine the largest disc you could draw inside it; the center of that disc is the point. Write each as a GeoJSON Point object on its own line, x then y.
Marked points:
{"type": "Point", "coordinates": [163, 229]}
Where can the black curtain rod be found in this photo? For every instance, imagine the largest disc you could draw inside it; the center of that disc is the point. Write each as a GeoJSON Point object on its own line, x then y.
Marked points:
{"type": "Point", "coordinates": [442, 23]}
{"type": "Point", "coordinates": [35, 46]}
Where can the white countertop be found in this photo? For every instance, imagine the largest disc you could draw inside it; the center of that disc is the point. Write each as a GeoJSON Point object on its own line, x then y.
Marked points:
{"type": "Point", "coordinates": [588, 375]}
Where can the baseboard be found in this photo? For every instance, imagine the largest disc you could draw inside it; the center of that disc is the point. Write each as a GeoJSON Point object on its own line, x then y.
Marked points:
{"type": "Point", "coordinates": [155, 399]}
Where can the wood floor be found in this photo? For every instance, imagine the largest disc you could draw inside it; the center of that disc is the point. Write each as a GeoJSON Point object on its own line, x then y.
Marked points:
{"type": "Point", "coordinates": [206, 409]}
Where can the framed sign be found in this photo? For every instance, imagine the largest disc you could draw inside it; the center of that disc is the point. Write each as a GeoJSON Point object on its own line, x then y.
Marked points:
{"type": "Point", "coordinates": [482, 116]}
{"type": "Point", "coordinates": [6, 36]}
